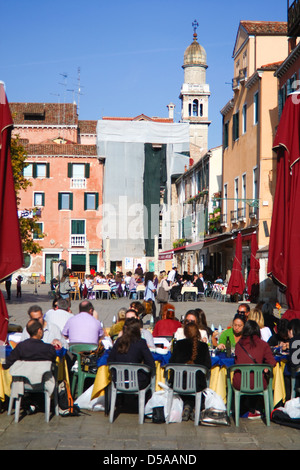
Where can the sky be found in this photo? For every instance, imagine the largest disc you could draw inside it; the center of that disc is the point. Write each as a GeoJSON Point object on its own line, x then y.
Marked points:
{"type": "Point", "coordinates": [124, 57]}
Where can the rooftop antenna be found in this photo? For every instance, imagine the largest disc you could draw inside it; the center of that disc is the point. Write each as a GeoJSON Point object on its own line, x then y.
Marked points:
{"type": "Point", "coordinates": [78, 89]}
{"type": "Point", "coordinates": [64, 75]}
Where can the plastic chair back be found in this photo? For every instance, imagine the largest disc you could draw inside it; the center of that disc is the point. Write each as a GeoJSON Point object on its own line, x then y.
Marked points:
{"type": "Point", "coordinates": [126, 381]}
{"type": "Point", "coordinates": [252, 383]}
{"type": "Point", "coordinates": [80, 375]}
{"type": "Point", "coordinates": [185, 383]}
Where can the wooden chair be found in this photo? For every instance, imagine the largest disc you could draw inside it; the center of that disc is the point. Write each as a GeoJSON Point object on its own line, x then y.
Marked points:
{"type": "Point", "coordinates": [74, 283]}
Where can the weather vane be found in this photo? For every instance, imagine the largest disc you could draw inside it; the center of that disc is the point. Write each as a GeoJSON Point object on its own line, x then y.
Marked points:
{"type": "Point", "coordinates": [195, 25]}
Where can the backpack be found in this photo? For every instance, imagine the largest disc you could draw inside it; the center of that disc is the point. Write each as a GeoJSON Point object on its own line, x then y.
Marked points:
{"type": "Point", "coordinates": [66, 405]}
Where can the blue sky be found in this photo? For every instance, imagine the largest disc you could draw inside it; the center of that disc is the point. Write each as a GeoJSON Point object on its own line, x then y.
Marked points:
{"type": "Point", "coordinates": [130, 52]}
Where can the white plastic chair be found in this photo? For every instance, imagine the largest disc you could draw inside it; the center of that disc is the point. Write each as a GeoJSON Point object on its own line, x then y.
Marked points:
{"type": "Point", "coordinates": [22, 383]}
{"type": "Point", "coordinates": [185, 383]}
{"type": "Point", "coordinates": [126, 381]}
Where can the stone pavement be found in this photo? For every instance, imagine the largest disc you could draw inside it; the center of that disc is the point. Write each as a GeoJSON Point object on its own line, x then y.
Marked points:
{"type": "Point", "coordinates": [92, 431]}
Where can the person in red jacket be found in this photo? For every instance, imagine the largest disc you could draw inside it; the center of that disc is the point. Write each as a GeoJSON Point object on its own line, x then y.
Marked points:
{"type": "Point", "coordinates": [252, 349]}
{"type": "Point", "coordinates": [168, 325]}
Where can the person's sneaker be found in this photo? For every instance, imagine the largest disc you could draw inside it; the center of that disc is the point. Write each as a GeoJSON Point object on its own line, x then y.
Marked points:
{"type": "Point", "coordinates": [255, 415]}
{"type": "Point", "coordinates": [186, 413]}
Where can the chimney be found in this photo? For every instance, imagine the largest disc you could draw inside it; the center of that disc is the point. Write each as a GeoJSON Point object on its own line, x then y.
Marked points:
{"type": "Point", "coordinates": [171, 108]}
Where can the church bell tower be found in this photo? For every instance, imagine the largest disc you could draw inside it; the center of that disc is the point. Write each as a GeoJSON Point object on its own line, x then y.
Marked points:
{"type": "Point", "coordinates": [194, 96]}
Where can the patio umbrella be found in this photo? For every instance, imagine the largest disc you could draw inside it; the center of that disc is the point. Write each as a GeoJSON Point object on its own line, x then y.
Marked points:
{"type": "Point", "coordinates": [284, 247]}
{"type": "Point", "coordinates": [11, 253]}
{"type": "Point", "coordinates": [236, 284]}
{"type": "Point", "coordinates": [253, 276]}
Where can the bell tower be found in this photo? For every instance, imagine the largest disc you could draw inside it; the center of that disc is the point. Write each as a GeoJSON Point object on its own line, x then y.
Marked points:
{"type": "Point", "coordinates": [194, 96]}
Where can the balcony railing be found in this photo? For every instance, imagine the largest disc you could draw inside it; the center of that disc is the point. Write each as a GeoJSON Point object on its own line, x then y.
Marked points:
{"type": "Point", "coordinates": [78, 240]}
{"type": "Point", "coordinates": [233, 216]}
{"type": "Point", "coordinates": [241, 213]}
{"type": "Point", "coordinates": [78, 183]}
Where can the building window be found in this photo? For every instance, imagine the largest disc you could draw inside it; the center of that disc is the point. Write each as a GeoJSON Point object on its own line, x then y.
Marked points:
{"type": "Point", "coordinates": [37, 170]}
{"type": "Point", "coordinates": [256, 108]}
{"type": "Point", "coordinates": [78, 170]}
{"type": "Point", "coordinates": [78, 237]}
{"type": "Point", "coordinates": [255, 183]}
{"type": "Point", "coordinates": [39, 199]}
{"type": "Point", "coordinates": [244, 119]}
{"type": "Point", "coordinates": [236, 193]}
{"type": "Point", "coordinates": [38, 234]}
{"type": "Point", "coordinates": [65, 201]}
{"type": "Point", "coordinates": [91, 201]}
{"type": "Point", "coordinates": [225, 208]}
{"type": "Point", "coordinates": [195, 108]}
{"type": "Point", "coordinates": [26, 260]}
{"type": "Point", "coordinates": [226, 127]}
{"type": "Point", "coordinates": [235, 127]}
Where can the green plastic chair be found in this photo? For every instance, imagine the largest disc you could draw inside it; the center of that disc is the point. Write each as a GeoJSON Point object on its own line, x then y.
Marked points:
{"type": "Point", "coordinates": [80, 376]}
{"type": "Point", "coordinates": [184, 383]}
{"type": "Point", "coordinates": [248, 370]}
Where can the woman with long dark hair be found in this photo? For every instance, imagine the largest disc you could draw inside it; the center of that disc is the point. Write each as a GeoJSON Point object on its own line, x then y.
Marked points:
{"type": "Point", "coordinates": [252, 349]}
{"type": "Point", "coordinates": [191, 350]}
{"type": "Point", "coordinates": [131, 348]}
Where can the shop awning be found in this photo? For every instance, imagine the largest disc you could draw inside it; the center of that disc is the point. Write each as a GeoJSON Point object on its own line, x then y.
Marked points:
{"type": "Point", "coordinates": [208, 241]}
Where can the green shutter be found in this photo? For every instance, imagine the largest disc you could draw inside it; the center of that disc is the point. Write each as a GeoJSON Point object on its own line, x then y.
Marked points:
{"type": "Point", "coordinates": [87, 170]}
{"type": "Point", "coordinates": [71, 202]}
{"type": "Point", "coordinates": [70, 170]}
{"type": "Point", "coordinates": [34, 170]}
{"type": "Point", "coordinates": [59, 201]}
{"type": "Point", "coordinates": [43, 199]}
{"type": "Point", "coordinates": [47, 170]}
{"type": "Point", "coordinates": [97, 201]}
{"type": "Point", "coordinates": [85, 201]}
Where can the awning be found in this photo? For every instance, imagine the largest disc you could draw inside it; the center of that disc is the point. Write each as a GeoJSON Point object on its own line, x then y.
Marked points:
{"type": "Point", "coordinates": [209, 241]}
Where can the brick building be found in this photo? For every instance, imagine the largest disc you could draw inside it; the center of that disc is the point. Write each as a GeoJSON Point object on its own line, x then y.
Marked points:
{"type": "Point", "coordinates": [67, 177]}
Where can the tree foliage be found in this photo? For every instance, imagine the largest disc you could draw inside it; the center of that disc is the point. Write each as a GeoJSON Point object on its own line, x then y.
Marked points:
{"type": "Point", "coordinates": [27, 225]}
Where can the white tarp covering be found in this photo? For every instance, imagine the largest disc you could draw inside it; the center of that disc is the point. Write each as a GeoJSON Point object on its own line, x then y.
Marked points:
{"type": "Point", "coordinates": [122, 145]}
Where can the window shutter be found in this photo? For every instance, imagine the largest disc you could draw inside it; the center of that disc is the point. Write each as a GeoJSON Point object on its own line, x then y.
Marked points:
{"type": "Point", "coordinates": [47, 170]}
{"type": "Point", "coordinates": [43, 199]}
{"type": "Point", "coordinates": [59, 201]}
{"type": "Point", "coordinates": [85, 201]}
{"type": "Point", "coordinates": [70, 170]}
{"type": "Point", "coordinates": [87, 170]}
{"type": "Point", "coordinates": [97, 201]}
{"type": "Point", "coordinates": [71, 202]}
{"type": "Point", "coordinates": [34, 170]}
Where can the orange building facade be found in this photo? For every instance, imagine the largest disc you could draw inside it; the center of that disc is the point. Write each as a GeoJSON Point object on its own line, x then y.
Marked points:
{"type": "Point", "coordinates": [67, 181]}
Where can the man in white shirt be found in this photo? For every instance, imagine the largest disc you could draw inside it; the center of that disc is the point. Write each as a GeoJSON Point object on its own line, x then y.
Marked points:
{"type": "Point", "coordinates": [52, 333]}
{"type": "Point", "coordinates": [60, 314]}
{"type": "Point", "coordinates": [171, 275]}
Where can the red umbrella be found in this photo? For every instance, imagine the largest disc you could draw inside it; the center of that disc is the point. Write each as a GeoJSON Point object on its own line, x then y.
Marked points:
{"type": "Point", "coordinates": [284, 247]}
{"type": "Point", "coordinates": [11, 254]}
{"type": "Point", "coordinates": [253, 276]}
{"type": "Point", "coordinates": [236, 284]}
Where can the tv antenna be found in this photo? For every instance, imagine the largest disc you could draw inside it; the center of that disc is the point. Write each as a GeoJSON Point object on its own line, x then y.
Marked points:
{"type": "Point", "coordinates": [79, 86]}
{"type": "Point", "coordinates": [64, 84]}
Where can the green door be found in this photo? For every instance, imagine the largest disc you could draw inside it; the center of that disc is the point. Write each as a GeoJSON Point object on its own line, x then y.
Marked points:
{"type": "Point", "coordinates": [48, 262]}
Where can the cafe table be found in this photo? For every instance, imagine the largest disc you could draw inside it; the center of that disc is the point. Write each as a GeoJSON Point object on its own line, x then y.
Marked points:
{"type": "Point", "coordinates": [189, 289]}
